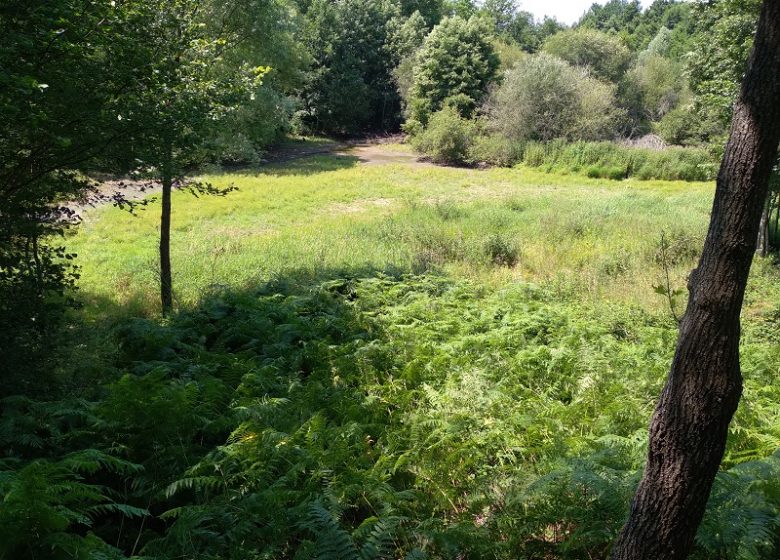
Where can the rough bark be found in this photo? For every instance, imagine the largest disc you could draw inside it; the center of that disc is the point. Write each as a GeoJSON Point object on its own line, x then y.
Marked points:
{"type": "Point", "coordinates": [166, 284]}
{"type": "Point", "coordinates": [690, 424]}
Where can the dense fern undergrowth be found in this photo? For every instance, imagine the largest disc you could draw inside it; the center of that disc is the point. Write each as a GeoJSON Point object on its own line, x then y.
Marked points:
{"type": "Point", "coordinates": [374, 416]}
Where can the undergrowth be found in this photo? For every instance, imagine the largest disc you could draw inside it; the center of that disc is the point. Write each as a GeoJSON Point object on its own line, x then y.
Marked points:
{"type": "Point", "coordinates": [597, 160]}
{"type": "Point", "coordinates": [447, 363]}
{"type": "Point", "coordinates": [375, 417]}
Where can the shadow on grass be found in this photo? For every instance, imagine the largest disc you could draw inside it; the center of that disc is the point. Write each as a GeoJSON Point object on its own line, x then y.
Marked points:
{"type": "Point", "coordinates": [97, 339]}
{"type": "Point", "coordinates": [262, 384]}
{"type": "Point", "coordinates": [304, 166]}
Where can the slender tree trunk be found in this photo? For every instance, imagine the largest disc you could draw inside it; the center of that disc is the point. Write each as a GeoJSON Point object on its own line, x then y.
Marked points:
{"type": "Point", "coordinates": [774, 214]}
{"type": "Point", "coordinates": [166, 284]}
{"type": "Point", "coordinates": [690, 425]}
{"type": "Point", "coordinates": [762, 247]}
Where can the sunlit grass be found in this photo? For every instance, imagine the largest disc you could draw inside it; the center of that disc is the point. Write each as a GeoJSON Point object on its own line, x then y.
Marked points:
{"type": "Point", "coordinates": [588, 238]}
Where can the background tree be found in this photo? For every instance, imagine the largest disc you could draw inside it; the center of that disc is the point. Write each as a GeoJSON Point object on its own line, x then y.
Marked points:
{"type": "Point", "coordinates": [350, 88]}
{"type": "Point", "coordinates": [690, 425]}
{"type": "Point", "coordinates": [659, 80]}
{"type": "Point", "coordinates": [620, 17]}
{"type": "Point", "coordinates": [460, 8]}
{"type": "Point", "coordinates": [502, 13]}
{"type": "Point", "coordinates": [431, 10]}
{"type": "Point", "coordinates": [519, 27]}
{"type": "Point", "coordinates": [530, 34]}
{"type": "Point", "coordinates": [718, 59]}
{"type": "Point", "coordinates": [266, 33]}
{"type": "Point", "coordinates": [457, 60]}
{"type": "Point", "coordinates": [605, 56]}
{"type": "Point", "coordinates": [405, 37]}
{"type": "Point", "coordinates": [673, 15]}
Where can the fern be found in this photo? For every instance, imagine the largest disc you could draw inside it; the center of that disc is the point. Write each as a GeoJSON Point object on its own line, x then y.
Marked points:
{"type": "Point", "coordinates": [46, 506]}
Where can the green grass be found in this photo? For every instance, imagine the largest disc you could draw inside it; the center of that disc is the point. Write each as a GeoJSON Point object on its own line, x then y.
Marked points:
{"type": "Point", "coordinates": [595, 237]}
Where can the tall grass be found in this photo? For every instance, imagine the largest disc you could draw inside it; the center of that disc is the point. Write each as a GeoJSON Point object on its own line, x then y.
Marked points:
{"type": "Point", "coordinates": [606, 160]}
{"type": "Point", "coordinates": [593, 236]}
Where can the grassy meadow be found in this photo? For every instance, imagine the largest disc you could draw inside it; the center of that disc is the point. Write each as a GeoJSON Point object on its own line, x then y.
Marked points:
{"type": "Point", "coordinates": [593, 238]}
{"type": "Point", "coordinates": [411, 361]}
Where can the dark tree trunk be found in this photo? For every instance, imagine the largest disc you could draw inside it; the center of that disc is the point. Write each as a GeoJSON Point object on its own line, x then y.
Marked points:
{"type": "Point", "coordinates": [690, 425]}
{"type": "Point", "coordinates": [166, 284]}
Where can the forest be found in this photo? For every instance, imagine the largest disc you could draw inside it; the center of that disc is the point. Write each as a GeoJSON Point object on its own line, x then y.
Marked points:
{"type": "Point", "coordinates": [389, 279]}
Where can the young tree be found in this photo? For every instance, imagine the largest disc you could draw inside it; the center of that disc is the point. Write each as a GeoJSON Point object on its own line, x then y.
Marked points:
{"type": "Point", "coordinates": [689, 429]}
{"type": "Point", "coordinates": [183, 87]}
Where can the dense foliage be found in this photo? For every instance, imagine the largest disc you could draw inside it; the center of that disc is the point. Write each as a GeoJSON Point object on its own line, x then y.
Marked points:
{"type": "Point", "coordinates": [671, 70]}
{"type": "Point", "coordinates": [454, 67]}
{"type": "Point", "coordinates": [606, 57]}
{"type": "Point", "coordinates": [372, 418]}
{"type": "Point", "coordinates": [543, 98]}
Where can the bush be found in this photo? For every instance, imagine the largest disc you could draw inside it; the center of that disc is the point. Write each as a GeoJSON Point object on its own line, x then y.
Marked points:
{"type": "Point", "coordinates": [543, 98]}
{"type": "Point", "coordinates": [496, 150]}
{"type": "Point", "coordinates": [660, 83]}
{"type": "Point", "coordinates": [447, 137]}
{"type": "Point", "coordinates": [501, 251]}
{"type": "Point", "coordinates": [679, 126]}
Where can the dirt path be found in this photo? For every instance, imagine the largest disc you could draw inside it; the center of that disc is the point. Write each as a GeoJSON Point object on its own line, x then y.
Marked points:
{"type": "Point", "coordinates": [377, 154]}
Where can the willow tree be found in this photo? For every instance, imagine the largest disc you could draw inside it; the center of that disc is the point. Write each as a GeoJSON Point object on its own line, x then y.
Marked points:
{"type": "Point", "coordinates": [689, 429]}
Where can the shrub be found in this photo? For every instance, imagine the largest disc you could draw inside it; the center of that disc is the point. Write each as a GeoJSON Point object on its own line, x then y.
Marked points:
{"type": "Point", "coordinates": [496, 149]}
{"type": "Point", "coordinates": [660, 83]}
{"type": "Point", "coordinates": [616, 173]}
{"type": "Point", "coordinates": [595, 172]}
{"type": "Point", "coordinates": [447, 137]}
{"type": "Point", "coordinates": [508, 54]}
{"type": "Point", "coordinates": [679, 126]}
{"type": "Point", "coordinates": [543, 98]}
{"type": "Point", "coordinates": [501, 251]}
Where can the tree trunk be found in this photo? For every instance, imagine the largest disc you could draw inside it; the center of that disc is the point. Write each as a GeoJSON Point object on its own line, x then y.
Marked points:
{"type": "Point", "coordinates": [690, 425]}
{"type": "Point", "coordinates": [166, 284]}
{"type": "Point", "coordinates": [774, 216]}
{"type": "Point", "coordinates": [762, 247]}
